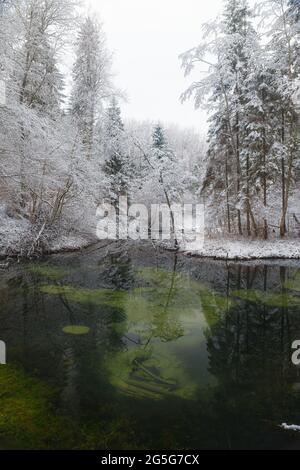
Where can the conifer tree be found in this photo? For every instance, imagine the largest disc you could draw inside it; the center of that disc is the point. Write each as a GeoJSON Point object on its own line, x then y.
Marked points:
{"type": "Point", "coordinates": [158, 137]}
{"type": "Point", "coordinates": [116, 163]}
{"type": "Point", "coordinates": [284, 48]}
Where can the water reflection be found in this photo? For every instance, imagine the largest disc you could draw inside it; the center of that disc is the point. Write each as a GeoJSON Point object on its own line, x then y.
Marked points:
{"type": "Point", "coordinates": [137, 349]}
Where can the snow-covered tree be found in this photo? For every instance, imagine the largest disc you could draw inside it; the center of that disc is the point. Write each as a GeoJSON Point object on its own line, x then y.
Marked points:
{"type": "Point", "coordinates": [248, 89]}
{"type": "Point", "coordinates": [186, 149]}
{"type": "Point", "coordinates": [116, 160]}
{"type": "Point", "coordinates": [44, 182]}
{"type": "Point", "coordinates": [158, 138]}
{"type": "Point", "coordinates": [231, 42]}
{"type": "Point", "coordinates": [284, 47]}
{"type": "Point", "coordinates": [91, 80]}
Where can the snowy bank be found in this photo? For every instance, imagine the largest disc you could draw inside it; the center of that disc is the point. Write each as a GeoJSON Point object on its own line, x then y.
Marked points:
{"type": "Point", "coordinates": [14, 233]}
{"type": "Point", "coordinates": [246, 249]}
{"type": "Point", "coordinates": [71, 243]}
{"type": "Point", "coordinates": [11, 232]}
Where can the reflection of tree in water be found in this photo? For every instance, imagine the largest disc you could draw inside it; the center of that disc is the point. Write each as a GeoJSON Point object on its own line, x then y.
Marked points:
{"type": "Point", "coordinates": [250, 355]}
{"type": "Point", "coordinates": [87, 390]}
{"type": "Point", "coordinates": [37, 341]}
{"type": "Point", "coordinates": [254, 339]}
{"type": "Point", "coordinates": [119, 272]}
{"type": "Point", "coordinates": [75, 364]}
{"type": "Point", "coordinates": [144, 369]}
{"type": "Point", "coordinates": [130, 349]}
{"type": "Point", "coordinates": [165, 325]}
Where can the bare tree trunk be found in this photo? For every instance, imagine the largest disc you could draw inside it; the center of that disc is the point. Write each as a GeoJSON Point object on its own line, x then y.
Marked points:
{"type": "Point", "coordinates": [227, 195]}
{"type": "Point", "coordinates": [248, 199]}
{"type": "Point", "coordinates": [283, 218]}
{"type": "Point", "coordinates": [287, 181]}
{"type": "Point", "coordinates": [283, 221]}
{"type": "Point", "coordinates": [266, 235]}
{"type": "Point", "coordinates": [235, 147]}
{"type": "Point", "coordinates": [254, 224]}
{"type": "Point", "coordinates": [238, 172]}
{"type": "Point", "coordinates": [176, 244]}
{"type": "Point", "coordinates": [90, 132]}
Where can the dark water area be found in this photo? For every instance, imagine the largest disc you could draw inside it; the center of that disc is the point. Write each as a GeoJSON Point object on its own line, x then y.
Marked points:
{"type": "Point", "coordinates": [132, 348]}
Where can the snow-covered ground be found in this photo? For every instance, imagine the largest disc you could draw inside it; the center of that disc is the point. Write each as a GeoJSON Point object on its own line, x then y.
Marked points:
{"type": "Point", "coordinates": [70, 243]}
{"type": "Point", "coordinates": [13, 231]}
{"type": "Point", "coordinates": [246, 249]}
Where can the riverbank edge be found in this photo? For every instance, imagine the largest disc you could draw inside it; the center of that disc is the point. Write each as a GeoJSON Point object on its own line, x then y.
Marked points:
{"type": "Point", "coordinates": [233, 250]}
{"type": "Point", "coordinates": [69, 246]}
{"type": "Point", "coordinates": [244, 250]}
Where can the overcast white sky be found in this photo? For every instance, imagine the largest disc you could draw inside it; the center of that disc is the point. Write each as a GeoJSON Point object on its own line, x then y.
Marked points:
{"type": "Point", "coordinates": [147, 36]}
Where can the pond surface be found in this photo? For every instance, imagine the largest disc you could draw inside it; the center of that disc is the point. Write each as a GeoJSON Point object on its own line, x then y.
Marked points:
{"type": "Point", "coordinates": [132, 348]}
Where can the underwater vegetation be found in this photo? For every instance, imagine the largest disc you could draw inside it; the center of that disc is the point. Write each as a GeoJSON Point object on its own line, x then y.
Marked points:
{"type": "Point", "coordinates": [48, 271]}
{"type": "Point", "coordinates": [283, 299]}
{"type": "Point", "coordinates": [293, 284]}
{"type": "Point", "coordinates": [29, 418]}
{"type": "Point", "coordinates": [162, 308]}
{"type": "Point", "coordinates": [76, 330]}
{"type": "Point", "coordinates": [147, 357]}
{"type": "Point", "coordinates": [27, 415]}
{"type": "Point", "coordinates": [84, 296]}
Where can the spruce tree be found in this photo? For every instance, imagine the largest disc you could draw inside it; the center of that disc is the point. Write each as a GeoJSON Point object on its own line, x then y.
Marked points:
{"type": "Point", "coordinates": [228, 168]}
{"type": "Point", "coordinates": [284, 50]}
{"type": "Point", "coordinates": [158, 138]}
{"type": "Point", "coordinates": [116, 165]}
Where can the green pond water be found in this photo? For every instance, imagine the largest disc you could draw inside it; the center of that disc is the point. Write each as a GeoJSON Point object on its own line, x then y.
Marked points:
{"type": "Point", "coordinates": [132, 348]}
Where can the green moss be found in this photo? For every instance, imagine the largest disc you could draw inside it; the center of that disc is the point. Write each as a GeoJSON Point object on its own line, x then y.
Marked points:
{"type": "Point", "coordinates": [214, 306]}
{"type": "Point", "coordinates": [251, 295]}
{"type": "Point", "coordinates": [283, 300]}
{"type": "Point", "coordinates": [46, 270]}
{"type": "Point", "coordinates": [293, 284]}
{"type": "Point", "coordinates": [158, 276]}
{"type": "Point", "coordinates": [28, 419]}
{"type": "Point", "coordinates": [187, 294]}
{"type": "Point", "coordinates": [76, 330]}
{"type": "Point", "coordinates": [84, 296]}
{"type": "Point", "coordinates": [168, 294]}
{"type": "Point", "coordinates": [164, 308]}
{"type": "Point", "coordinates": [26, 415]}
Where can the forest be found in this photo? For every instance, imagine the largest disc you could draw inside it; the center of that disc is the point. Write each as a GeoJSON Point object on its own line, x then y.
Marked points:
{"type": "Point", "coordinates": [65, 148]}
{"type": "Point", "coordinates": [158, 341]}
